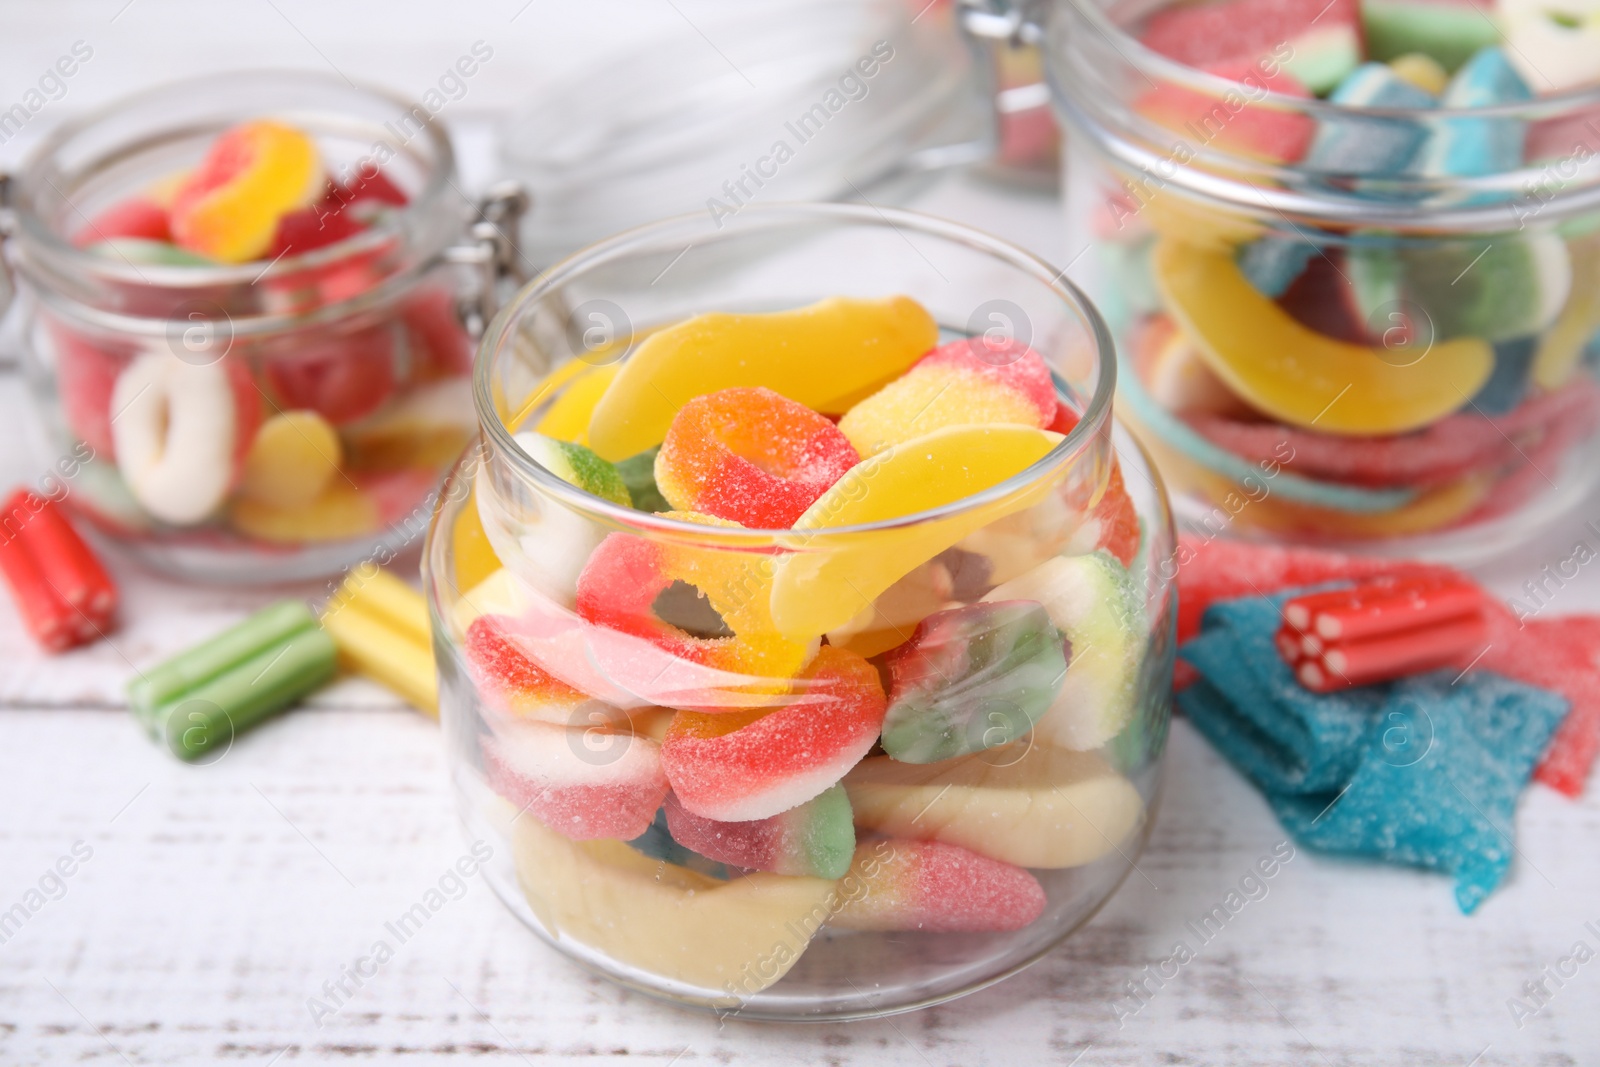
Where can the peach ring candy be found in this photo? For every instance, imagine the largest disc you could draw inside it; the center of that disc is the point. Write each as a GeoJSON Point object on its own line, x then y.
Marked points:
{"type": "Point", "coordinates": [705, 606]}
{"type": "Point", "coordinates": [255, 173]}
{"type": "Point", "coordinates": [825, 356]}
{"type": "Point", "coordinates": [510, 681]}
{"type": "Point", "coordinates": [580, 790]}
{"type": "Point", "coordinates": [747, 765]}
{"type": "Point", "coordinates": [752, 456]}
{"type": "Point", "coordinates": [181, 431]}
{"type": "Point", "coordinates": [967, 382]}
{"type": "Point", "coordinates": [936, 888]}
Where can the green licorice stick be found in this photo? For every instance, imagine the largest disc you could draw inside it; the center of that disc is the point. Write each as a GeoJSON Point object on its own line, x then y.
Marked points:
{"type": "Point", "coordinates": [166, 682]}
{"type": "Point", "coordinates": [211, 714]}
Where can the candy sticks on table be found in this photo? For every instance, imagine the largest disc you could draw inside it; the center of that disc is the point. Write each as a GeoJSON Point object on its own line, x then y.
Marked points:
{"type": "Point", "coordinates": [381, 627]}
{"type": "Point", "coordinates": [62, 592]}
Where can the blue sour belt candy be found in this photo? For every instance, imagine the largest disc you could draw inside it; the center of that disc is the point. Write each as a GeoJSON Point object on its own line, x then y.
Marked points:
{"type": "Point", "coordinates": [1370, 145]}
{"type": "Point", "coordinates": [1471, 147]}
{"type": "Point", "coordinates": [1508, 383]}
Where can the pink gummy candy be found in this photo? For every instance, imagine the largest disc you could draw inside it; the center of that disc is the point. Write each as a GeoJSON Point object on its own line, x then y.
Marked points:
{"type": "Point", "coordinates": [935, 888]}
{"type": "Point", "coordinates": [815, 839]}
{"type": "Point", "coordinates": [581, 783]}
{"type": "Point", "coordinates": [508, 679]}
{"type": "Point", "coordinates": [737, 766]}
{"type": "Point", "coordinates": [752, 456]}
{"type": "Point", "coordinates": [1205, 34]}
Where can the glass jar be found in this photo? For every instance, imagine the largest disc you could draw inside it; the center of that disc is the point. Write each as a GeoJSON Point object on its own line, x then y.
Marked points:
{"type": "Point", "coordinates": [342, 371]}
{"type": "Point", "coordinates": [1404, 362]}
{"type": "Point", "coordinates": [554, 713]}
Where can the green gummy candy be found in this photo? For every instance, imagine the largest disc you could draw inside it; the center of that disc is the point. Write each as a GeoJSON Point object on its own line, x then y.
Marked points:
{"type": "Point", "coordinates": [577, 466]}
{"type": "Point", "coordinates": [828, 833]}
{"type": "Point", "coordinates": [213, 713]}
{"type": "Point", "coordinates": [1451, 34]}
{"type": "Point", "coordinates": [972, 678]}
{"type": "Point", "coordinates": [163, 684]}
{"type": "Point", "coordinates": [639, 475]}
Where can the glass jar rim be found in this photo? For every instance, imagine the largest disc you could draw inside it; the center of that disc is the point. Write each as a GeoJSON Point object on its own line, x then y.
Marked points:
{"type": "Point", "coordinates": [1095, 416]}
{"type": "Point", "coordinates": [1148, 62]}
{"type": "Point", "coordinates": [36, 236]}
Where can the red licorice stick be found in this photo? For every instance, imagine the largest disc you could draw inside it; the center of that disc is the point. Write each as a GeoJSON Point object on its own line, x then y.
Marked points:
{"type": "Point", "coordinates": [1397, 655]}
{"type": "Point", "coordinates": [1402, 607]}
{"type": "Point", "coordinates": [63, 593]}
{"type": "Point", "coordinates": [1288, 642]}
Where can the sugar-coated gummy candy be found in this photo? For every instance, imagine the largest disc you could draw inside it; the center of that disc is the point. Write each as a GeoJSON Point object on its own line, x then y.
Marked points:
{"type": "Point", "coordinates": [137, 217]}
{"type": "Point", "coordinates": [815, 838]}
{"type": "Point", "coordinates": [291, 460]}
{"type": "Point", "coordinates": [1093, 601]}
{"type": "Point", "coordinates": [622, 584]}
{"type": "Point", "coordinates": [894, 614]}
{"type": "Point", "coordinates": [567, 417]}
{"type": "Point", "coordinates": [509, 680]}
{"type": "Point", "coordinates": [1371, 145]}
{"type": "Point", "coordinates": [576, 465]}
{"type": "Point", "coordinates": [751, 456]}
{"type": "Point", "coordinates": [657, 843]}
{"type": "Point", "coordinates": [1258, 132]}
{"type": "Point", "coordinates": [59, 587]}
{"type": "Point", "coordinates": [830, 583]}
{"type": "Point", "coordinates": [1422, 71]}
{"type": "Point", "coordinates": [342, 511]}
{"type": "Point", "coordinates": [87, 371]}
{"type": "Point", "coordinates": [426, 426]}
{"type": "Point", "coordinates": [732, 939]}
{"type": "Point", "coordinates": [344, 209]}
{"type": "Point", "coordinates": [1508, 383]}
{"type": "Point", "coordinates": [737, 766]}
{"type": "Point", "coordinates": [253, 174]}
{"type": "Point", "coordinates": [1316, 41]}
{"type": "Point", "coordinates": [1554, 47]}
{"type": "Point", "coordinates": [1166, 367]}
{"type": "Point", "coordinates": [934, 888]}
{"type": "Point", "coordinates": [181, 431]}
{"type": "Point", "coordinates": [344, 375]}
{"type": "Point", "coordinates": [971, 678]}
{"type": "Point", "coordinates": [1112, 526]}
{"type": "Point", "coordinates": [578, 788]}
{"type": "Point", "coordinates": [1028, 804]}
{"type": "Point", "coordinates": [1562, 346]}
{"type": "Point", "coordinates": [1298, 376]}
{"type": "Point", "coordinates": [967, 382]}
{"type": "Point", "coordinates": [819, 356]}
{"type": "Point", "coordinates": [639, 475]}
{"type": "Point", "coordinates": [1449, 31]}
{"type": "Point", "coordinates": [1462, 147]}
{"type": "Point", "coordinates": [1273, 263]}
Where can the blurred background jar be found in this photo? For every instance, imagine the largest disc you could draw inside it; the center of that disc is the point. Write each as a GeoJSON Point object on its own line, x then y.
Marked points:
{"type": "Point", "coordinates": [1316, 349]}
{"type": "Point", "coordinates": [251, 421]}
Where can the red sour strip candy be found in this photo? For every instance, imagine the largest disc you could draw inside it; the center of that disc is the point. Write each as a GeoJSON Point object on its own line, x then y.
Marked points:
{"type": "Point", "coordinates": [1392, 656]}
{"type": "Point", "coordinates": [1385, 608]}
{"type": "Point", "coordinates": [63, 592]}
{"type": "Point", "coordinates": [752, 456]}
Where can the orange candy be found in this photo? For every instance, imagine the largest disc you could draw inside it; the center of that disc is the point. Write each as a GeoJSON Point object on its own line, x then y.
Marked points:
{"type": "Point", "coordinates": [255, 173]}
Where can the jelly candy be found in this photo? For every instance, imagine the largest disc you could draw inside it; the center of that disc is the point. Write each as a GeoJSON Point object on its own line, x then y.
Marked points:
{"type": "Point", "coordinates": [816, 838]}
{"type": "Point", "coordinates": [1553, 46]}
{"type": "Point", "coordinates": [1299, 377]}
{"type": "Point", "coordinates": [738, 766]}
{"type": "Point", "coordinates": [293, 457]}
{"type": "Point", "coordinates": [1449, 31]}
{"type": "Point", "coordinates": [510, 681]}
{"type": "Point", "coordinates": [339, 513]}
{"type": "Point", "coordinates": [1374, 145]}
{"type": "Point", "coordinates": [440, 345]}
{"type": "Point", "coordinates": [733, 938]}
{"type": "Point", "coordinates": [1113, 525]}
{"type": "Point", "coordinates": [1562, 345]}
{"type": "Point", "coordinates": [1176, 378]}
{"type": "Point", "coordinates": [751, 456]}
{"type": "Point", "coordinates": [474, 558]}
{"type": "Point", "coordinates": [1421, 70]}
{"type": "Point", "coordinates": [426, 426]}
{"type": "Point", "coordinates": [1509, 382]}
{"type": "Point", "coordinates": [579, 792]}
{"type": "Point", "coordinates": [622, 585]}
{"type": "Point", "coordinates": [1028, 804]}
{"type": "Point", "coordinates": [966, 382]}
{"type": "Point", "coordinates": [1259, 132]}
{"type": "Point", "coordinates": [1469, 147]}
{"type": "Point", "coordinates": [1316, 41]}
{"type": "Point", "coordinates": [86, 375]}
{"type": "Point", "coordinates": [1496, 289]}
{"type": "Point", "coordinates": [971, 678]}
{"type": "Point", "coordinates": [1093, 602]}
{"type": "Point", "coordinates": [639, 475]}
{"type": "Point", "coordinates": [816, 356]}
{"type": "Point", "coordinates": [567, 418]}
{"type": "Point", "coordinates": [824, 586]}
{"type": "Point", "coordinates": [935, 888]}
{"type": "Point", "coordinates": [180, 431]}
{"type": "Point", "coordinates": [1273, 263]}
{"type": "Point", "coordinates": [657, 843]}
{"type": "Point", "coordinates": [344, 210]}
{"type": "Point", "coordinates": [576, 465]}
{"type": "Point", "coordinates": [341, 376]}
{"type": "Point", "coordinates": [138, 217]}
{"type": "Point", "coordinates": [893, 616]}
{"type": "Point", "coordinates": [228, 208]}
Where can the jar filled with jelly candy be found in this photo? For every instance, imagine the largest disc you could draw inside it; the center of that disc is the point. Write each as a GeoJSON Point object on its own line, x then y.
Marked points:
{"type": "Point", "coordinates": [239, 303]}
{"type": "Point", "coordinates": [804, 622]}
{"type": "Point", "coordinates": [1351, 256]}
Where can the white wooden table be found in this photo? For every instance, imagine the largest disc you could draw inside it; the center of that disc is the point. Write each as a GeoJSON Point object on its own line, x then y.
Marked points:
{"type": "Point", "coordinates": [216, 900]}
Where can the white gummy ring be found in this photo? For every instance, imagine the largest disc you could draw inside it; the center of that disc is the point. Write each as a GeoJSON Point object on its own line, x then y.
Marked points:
{"type": "Point", "coordinates": [173, 427]}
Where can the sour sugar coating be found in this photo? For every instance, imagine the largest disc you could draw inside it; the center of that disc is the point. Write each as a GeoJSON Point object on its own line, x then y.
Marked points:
{"type": "Point", "coordinates": [228, 208]}
{"type": "Point", "coordinates": [576, 465]}
{"type": "Point", "coordinates": [509, 680]}
{"type": "Point", "coordinates": [1259, 132]}
{"type": "Point", "coordinates": [578, 788]}
{"type": "Point", "coordinates": [935, 888]}
{"type": "Point", "coordinates": [816, 838]}
{"type": "Point", "coordinates": [1316, 41]}
{"type": "Point", "coordinates": [1113, 524]}
{"type": "Point", "coordinates": [1093, 601]}
{"type": "Point", "coordinates": [745, 765]}
{"type": "Point", "coordinates": [972, 678]}
{"type": "Point", "coordinates": [622, 586]}
{"type": "Point", "coordinates": [750, 455]}
{"type": "Point", "coordinates": [969, 382]}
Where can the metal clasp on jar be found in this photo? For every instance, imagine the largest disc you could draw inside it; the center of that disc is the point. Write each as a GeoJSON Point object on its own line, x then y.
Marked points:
{"type": "Point", "coordinates": [494, 251]}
